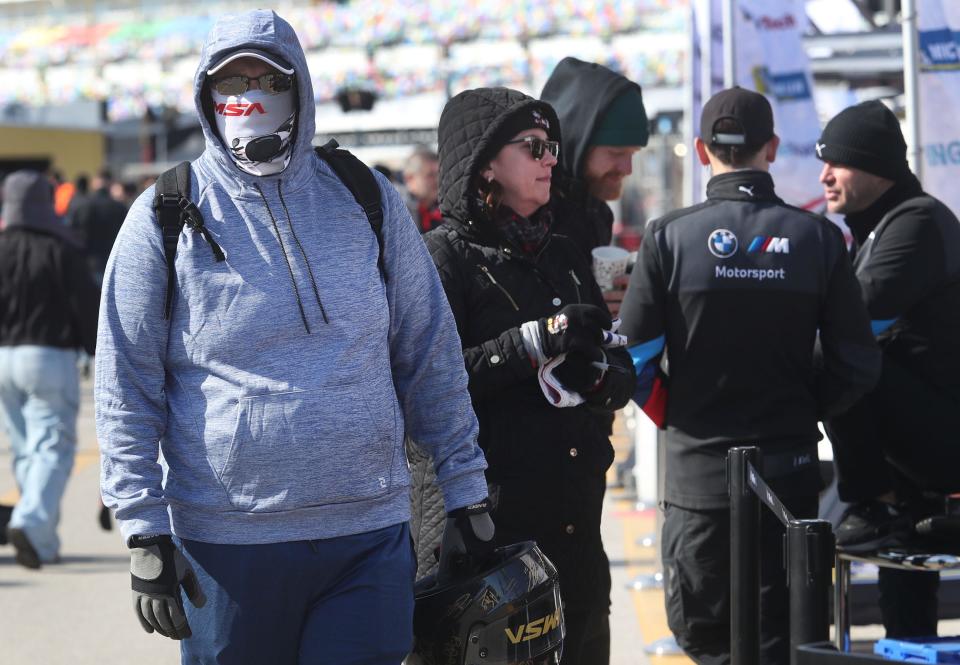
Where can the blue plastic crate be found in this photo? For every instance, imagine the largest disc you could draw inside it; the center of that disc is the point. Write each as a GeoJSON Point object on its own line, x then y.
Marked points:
{"type": "Point", "coordinates": [920, 650]}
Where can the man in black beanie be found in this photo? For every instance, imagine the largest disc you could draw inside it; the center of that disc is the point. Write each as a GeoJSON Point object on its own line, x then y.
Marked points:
{"type": "Point", "coordinates": [604, 125]}
{"type": "Point", "coordinates": [901, 439]}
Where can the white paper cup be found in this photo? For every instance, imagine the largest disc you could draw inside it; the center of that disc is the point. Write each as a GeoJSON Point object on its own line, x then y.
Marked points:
{"type": "Point", "coordinates": [609, 262]}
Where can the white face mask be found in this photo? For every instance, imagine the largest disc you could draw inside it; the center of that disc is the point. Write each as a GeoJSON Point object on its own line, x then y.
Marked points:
{"type": "Point", "coordinates": [256, 128]}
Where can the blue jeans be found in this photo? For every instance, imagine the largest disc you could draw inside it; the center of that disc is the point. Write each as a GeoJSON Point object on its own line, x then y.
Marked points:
{"type": "Point", "coordinates": [39, 400]}
{"type": "Point", "coordinates": [346, 600]}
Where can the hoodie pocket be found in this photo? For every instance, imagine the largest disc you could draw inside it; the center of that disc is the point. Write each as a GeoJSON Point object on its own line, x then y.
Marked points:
{"type": "Point", "coordinates": [308, 448]}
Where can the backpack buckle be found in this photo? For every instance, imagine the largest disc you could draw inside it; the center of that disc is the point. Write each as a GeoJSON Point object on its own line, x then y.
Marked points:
{"type": "Point", "coordinates": [166, 201]}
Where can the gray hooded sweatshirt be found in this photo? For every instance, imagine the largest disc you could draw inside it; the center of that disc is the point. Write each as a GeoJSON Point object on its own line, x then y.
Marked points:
{"type": "Point", "coordinates": [267, 431]}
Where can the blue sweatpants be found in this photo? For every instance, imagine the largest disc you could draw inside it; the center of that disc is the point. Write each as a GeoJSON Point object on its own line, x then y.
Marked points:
{"type": "Point", "coordinates": [341, 601]}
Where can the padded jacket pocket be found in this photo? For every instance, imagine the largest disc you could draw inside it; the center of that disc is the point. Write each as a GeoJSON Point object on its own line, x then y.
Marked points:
{"type": "Point", "coordinates": [308, 448]}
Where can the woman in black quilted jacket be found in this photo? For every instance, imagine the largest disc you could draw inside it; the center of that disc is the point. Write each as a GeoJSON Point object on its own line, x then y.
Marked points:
{"type": "Point", "coordinates": [522, 296]}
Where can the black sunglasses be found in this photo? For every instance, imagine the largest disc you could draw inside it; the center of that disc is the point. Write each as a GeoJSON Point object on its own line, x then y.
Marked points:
{"type": "Point", "coordinates": [538, 146]}
{"type": "Point", "coordinates": [238, 84]}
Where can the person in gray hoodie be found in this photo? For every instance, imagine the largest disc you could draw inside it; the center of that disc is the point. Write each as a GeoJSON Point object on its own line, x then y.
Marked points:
{"type": "Point", "coordinates": [252, 444]}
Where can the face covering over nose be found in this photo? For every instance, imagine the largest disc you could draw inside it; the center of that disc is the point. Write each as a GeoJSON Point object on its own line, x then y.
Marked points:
{"type": "Point", "coordinates": [256, 128]}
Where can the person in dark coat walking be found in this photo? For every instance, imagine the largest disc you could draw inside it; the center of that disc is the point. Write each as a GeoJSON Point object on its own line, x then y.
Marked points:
{"type": "Point", "coordinates": [523, 297]}
{"type": "Point", "coordinates": [48, 310]}
{"type": "Point", "coordinates": [97, 221]}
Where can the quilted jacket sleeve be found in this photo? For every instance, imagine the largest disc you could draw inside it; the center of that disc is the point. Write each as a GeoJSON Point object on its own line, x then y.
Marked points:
{"type": "Point", "coordinates": [427, 512]}
{"type": "Point", "coordinates": [496, 363]}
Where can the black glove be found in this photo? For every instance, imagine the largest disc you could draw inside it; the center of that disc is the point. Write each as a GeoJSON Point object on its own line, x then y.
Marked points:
{"type": "Point", "coordinates": [577, 371]}
{"type": "Point", "coordinates": [157, 571]}
{"type": "Point", "coordinates": [467, 541]}
{"type": "Point", "coordinates": [573, 327]}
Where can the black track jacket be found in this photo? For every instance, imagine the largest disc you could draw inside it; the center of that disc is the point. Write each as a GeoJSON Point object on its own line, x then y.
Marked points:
{"type": "Point", "coordinates": [736, 289]}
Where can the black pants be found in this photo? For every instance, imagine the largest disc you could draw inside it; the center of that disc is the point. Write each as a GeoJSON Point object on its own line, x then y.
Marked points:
{"type": "Point", "coordinates": [588, 638]}
{"type": "Point", "coordinates": [696, 565]}
{"type": "Point", "coordinates": [903, 436]}
{"type": "Point", "coordinates": [908, 602]}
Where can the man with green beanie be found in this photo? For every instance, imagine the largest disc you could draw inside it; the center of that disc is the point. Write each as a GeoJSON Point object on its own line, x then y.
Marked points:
{"type": "Point", "coordinates": [604, 124]}
{"type": "Point", "coordinates": [900, 440]}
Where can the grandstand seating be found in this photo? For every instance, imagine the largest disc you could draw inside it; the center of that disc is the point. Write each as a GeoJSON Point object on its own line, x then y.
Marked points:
{"type": "Point", "coordinates": [398, 48]}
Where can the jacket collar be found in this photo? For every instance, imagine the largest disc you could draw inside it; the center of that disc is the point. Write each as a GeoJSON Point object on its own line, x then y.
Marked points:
{"type": "Point", "coordinates": [863, 222]}
{"type": "Point", "coordinates": [485, 233]}
{"type": "Point", "coordinates": [746, 185]}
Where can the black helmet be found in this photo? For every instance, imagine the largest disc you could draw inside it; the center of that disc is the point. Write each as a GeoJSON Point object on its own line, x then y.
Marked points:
{"type": "Point", "coordinates": [509, 614]}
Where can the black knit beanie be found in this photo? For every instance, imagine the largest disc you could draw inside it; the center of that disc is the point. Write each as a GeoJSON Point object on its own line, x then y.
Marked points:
{"type": "Point", "coordinates": [538, 115]}
{"type": "Point", "coordinates": [867, 137]}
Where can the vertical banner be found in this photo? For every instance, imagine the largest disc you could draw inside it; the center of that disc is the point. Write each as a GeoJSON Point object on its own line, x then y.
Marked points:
{"type": "Point", "coordinates": [938, 24]}
{"type": "Point", "coordinates": [706, 77]}
{"type": "Point", "coordinates": [771, 60]}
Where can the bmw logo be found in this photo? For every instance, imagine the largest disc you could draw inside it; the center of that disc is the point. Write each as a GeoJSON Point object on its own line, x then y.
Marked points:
{"type": "Point", "coordinates": [722, 243]}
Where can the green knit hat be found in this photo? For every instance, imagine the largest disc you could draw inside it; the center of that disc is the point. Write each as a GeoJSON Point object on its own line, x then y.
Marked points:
{"type": "Point", "coordinates": [624, 122]}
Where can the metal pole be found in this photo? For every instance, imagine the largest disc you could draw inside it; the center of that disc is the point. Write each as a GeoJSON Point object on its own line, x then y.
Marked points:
{"type": "Point", "coordinates": [689, 110]}
{"type": "Point", "coordinates": [744, 558]}
{"type": "Point", "coordinates": [810, 551]}
{"type": "Point", "coordinates": [729, 50]}
{"type": "Point", "coordinates": [841, 606]}
{"type": "Point", "coordinates": [911, 86]}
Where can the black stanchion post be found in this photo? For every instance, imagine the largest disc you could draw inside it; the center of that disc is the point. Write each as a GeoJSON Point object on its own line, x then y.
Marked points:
{"type": "Point", "coordinates": [744, 558]}
{"type": "Point", "coordinates": [810, 551]}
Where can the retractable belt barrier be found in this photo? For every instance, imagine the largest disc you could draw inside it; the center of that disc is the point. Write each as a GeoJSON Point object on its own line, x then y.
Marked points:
{"type": "Point", "coordinates": [762, 490]}
{"type": "Point", "coordinates": [809, 558]}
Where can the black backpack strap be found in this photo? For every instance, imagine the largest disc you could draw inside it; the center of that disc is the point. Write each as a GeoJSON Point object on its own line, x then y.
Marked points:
{"type": "Point", "coordinates": [174, 209]}
{"type": "Point", "coordinates": [362, 184]}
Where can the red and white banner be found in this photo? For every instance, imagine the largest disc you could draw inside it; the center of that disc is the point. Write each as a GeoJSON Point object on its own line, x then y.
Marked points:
{"type": "Point", "coordinates": [771, 60]}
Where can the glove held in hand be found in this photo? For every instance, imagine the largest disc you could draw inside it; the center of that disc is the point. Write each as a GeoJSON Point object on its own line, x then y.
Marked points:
{"type": "Point", "coordinates": [467, 540]}
{"type": "Point", "coordinates": [573, 327]}
{"type": "Point", "coordinates": [157, 571]}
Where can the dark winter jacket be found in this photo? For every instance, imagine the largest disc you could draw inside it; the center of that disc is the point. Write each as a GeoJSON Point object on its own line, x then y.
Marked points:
{"type": "Point", "coordinates": [97, 222]}
{"type": "Point", "coordinates": [581, 92]}
{"type": "Point", "coordinates": [908, 264]}
{"type": "Point", "coordinates": [546, 464]}
{"type": "Point", "coordinates": [47, 297]}
{"type": "Point", "coordinates": [738, 290]}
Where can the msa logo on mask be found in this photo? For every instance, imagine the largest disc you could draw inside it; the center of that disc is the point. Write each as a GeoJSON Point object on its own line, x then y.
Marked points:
{"type": "Point", "coordinates": [240, 109]}
{"type": "Point", "coordinates": [256, 128]}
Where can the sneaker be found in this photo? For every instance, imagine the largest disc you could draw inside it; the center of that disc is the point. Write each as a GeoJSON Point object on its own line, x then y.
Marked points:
{"type": "Point", "coordinates": [870, 525]}
{"type": "Point", "coordinates": [26, 555]}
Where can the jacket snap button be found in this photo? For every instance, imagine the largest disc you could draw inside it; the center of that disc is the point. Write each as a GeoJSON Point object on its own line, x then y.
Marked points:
{"type": "Point", "coordinates": [556, 302]}
{"type": "Point", "coordinates": [573, 452]}
{"type": "Point", "coordinates": [569, 528]}
{"type": "Point", "coordinates": [494, 360]}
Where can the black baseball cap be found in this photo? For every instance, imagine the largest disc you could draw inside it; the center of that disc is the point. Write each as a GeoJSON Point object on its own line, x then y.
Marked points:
{"type": "Point", "coordinates": [750, 110]}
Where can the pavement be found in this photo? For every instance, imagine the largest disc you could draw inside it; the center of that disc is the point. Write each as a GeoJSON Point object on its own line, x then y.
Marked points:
{"type": "Point", "coordinates": [79, 612]}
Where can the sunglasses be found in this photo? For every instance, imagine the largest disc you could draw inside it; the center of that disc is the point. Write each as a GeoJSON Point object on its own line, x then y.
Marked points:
{"type": "Point", "coordinates": [538, 146]}
{"type": "Point", "coordinates": [271, 84]}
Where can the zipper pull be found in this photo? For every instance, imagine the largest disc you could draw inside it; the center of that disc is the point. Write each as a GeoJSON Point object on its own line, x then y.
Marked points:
{"type": "Point", "coordinates": [488, 274]}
